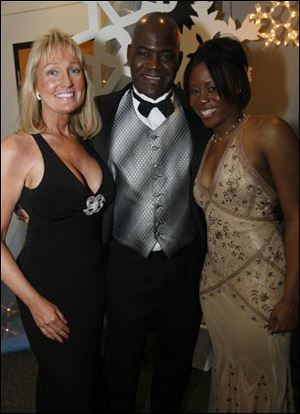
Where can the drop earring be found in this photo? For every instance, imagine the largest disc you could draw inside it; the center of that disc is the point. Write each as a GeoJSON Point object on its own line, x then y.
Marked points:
{"type": "Point", "coordinates": [38, 96]}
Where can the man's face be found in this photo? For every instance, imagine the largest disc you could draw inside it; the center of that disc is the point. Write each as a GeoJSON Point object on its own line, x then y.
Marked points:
{"type": "Point", "coordinates": [153, 57]}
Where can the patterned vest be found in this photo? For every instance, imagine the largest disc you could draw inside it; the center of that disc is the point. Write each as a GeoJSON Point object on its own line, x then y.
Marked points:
{"type": "Point", "coordinates": [152, 174]}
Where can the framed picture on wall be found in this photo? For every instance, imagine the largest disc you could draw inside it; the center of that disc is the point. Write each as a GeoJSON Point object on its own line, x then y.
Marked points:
{"type": "Point", "coordinates": [21, 52]}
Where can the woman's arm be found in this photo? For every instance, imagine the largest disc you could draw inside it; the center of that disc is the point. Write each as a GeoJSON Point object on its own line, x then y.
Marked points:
{"type": "Point", "coordinates": [280, 146]}
{"type": "Point", "coordinates": [16, 166]}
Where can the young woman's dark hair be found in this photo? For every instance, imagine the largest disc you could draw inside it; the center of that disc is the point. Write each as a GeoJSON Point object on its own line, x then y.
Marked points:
{"type": "Point", "coordinates": [227, 62]}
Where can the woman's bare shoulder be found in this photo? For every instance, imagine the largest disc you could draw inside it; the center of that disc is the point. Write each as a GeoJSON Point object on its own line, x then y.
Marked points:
{"type": "Point", "coordinates": [270, 129]}
{"type": "Point", "coordinates": [16, 140]}
{"type": "Point", "coordinates": [268, 124]}
{"type": "Point", "coordinates": [18, 145]}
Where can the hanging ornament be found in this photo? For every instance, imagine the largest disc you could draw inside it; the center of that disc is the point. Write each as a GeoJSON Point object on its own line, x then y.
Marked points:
{"type": "Point", "coordinates": [279, 25]}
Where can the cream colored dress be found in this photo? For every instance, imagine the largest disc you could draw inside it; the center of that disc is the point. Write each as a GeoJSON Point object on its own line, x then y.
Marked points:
{"type": "Point", "coordinates": [242, 279]}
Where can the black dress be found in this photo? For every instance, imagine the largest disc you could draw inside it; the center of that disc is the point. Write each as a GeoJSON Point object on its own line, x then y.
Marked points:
{"type": "Point", "coordinates": [63, 259]}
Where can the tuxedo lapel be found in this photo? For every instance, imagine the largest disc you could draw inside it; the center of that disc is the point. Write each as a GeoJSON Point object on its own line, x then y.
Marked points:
{"type": "Point", "coordinates": [199, 133]}
{"type": "Point", "coordinates": [107, 106]}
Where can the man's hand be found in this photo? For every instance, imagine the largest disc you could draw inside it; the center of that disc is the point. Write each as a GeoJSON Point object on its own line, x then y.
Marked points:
{"type": "Point", "coordinates": [21, 214]}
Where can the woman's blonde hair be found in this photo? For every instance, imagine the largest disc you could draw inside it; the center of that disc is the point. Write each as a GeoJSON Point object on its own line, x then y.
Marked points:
{"type": "Point", "coordinates": [85, 121]}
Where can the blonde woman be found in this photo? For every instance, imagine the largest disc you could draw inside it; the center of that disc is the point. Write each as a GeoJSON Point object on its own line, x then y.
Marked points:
{"type": "Point", "coordinates": [50, 170]}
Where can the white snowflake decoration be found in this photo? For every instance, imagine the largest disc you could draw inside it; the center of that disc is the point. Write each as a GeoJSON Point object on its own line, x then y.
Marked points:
{"type": "Point", "coordinates": [205, 24]}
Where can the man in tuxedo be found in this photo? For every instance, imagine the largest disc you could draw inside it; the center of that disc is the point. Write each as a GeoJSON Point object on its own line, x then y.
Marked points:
{"type": "Point", "coordinates": [153, 145]}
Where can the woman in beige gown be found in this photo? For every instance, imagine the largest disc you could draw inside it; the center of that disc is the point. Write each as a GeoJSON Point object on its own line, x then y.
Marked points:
{"type": "Point", "coordinates": [249, 284]}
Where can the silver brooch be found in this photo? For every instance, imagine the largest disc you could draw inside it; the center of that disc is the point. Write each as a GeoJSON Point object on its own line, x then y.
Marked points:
{"type": "Point", "coordinates": [94, 204]}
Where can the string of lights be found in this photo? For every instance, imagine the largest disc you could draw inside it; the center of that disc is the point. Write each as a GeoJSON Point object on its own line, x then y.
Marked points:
{"type": "Point", "coordinates": [7, 313]}
{"type": "Point", "coordinates": [281, 23]}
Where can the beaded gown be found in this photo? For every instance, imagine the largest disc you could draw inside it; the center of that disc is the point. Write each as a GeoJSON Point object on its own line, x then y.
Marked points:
{"type": "Point", "coordinates": [242, 279]}
{"type": "Point", "coordinates": [63, 259]}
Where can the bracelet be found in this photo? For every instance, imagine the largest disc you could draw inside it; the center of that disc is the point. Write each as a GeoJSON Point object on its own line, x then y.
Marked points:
{"type": "Point", "coordinates": [293, 311]}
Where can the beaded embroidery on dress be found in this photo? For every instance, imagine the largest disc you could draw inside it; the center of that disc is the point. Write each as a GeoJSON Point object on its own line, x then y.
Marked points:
{"type": "Point", "coordinates": [241, 281]}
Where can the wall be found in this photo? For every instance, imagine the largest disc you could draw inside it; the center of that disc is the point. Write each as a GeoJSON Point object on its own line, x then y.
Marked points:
{"type": "Point", "coordinates": [275, 87]}
{"type": "Point", "coordinates": [275, 76]}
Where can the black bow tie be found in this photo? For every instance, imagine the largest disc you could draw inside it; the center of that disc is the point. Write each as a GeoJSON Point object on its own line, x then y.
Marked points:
{"type": "Point", "coordinates": [165, 106]}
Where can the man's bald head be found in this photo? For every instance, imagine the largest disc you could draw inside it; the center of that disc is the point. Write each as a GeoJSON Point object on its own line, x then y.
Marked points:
{"type": "Point", "coordinates": [157, 20]}
{"type": "Point", "coordinates": [154, 55]}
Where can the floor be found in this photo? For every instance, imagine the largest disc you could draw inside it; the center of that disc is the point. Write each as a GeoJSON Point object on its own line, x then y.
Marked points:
{"type": "Point", "coordinates": [18, 374]}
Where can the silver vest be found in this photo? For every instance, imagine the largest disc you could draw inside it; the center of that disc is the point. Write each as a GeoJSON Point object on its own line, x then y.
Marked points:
{"type": "Point", "coordinates": [152, 175]}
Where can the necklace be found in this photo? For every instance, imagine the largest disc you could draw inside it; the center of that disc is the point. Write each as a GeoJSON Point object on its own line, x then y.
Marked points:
{"type": "Point", "coordinates": [232, 128]}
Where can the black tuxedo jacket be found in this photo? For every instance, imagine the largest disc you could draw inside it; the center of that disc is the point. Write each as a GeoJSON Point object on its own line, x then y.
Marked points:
{"type": "Point", "coordinates": [108, 105]}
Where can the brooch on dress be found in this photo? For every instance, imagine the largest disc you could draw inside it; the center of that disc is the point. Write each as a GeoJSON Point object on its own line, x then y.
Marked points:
{"type": "Point", "coordinates": [94, 204]}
